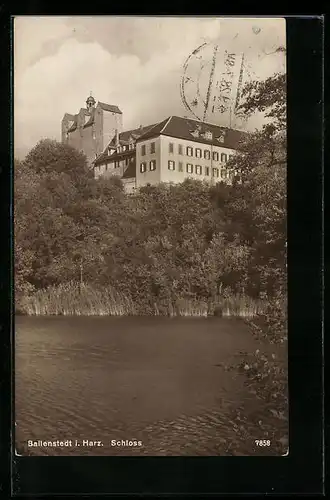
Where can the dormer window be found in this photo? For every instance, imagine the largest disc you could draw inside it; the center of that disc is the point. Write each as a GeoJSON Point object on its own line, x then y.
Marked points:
{"type": "Point", "coordinates": [208, 135]}
{"type": "Point", "coordinates": [195, 133]}
{"type": "Point", "coordinates": [221, 138]}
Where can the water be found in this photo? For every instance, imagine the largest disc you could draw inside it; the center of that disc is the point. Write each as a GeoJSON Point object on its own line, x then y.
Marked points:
{"type": "Point", "coordinates": [159, 381]}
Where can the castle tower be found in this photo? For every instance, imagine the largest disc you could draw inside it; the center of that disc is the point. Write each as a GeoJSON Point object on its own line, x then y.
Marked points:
{"type": "Point", "coordinates": [92, 128]}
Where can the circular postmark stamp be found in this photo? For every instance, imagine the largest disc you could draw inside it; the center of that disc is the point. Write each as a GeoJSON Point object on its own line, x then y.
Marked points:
{"type": "Point", "coordinates": [214, 75]}
{"type": "Point", "coordinates": [212, 82]}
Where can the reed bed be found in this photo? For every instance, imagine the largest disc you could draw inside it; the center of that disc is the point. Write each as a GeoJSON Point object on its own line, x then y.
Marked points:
{"type": "Point", "coordinates": [76, 299]}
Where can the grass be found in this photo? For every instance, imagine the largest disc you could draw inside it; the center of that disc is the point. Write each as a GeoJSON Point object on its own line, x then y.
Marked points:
{"type": "Point", "coordinates": [75, 299]}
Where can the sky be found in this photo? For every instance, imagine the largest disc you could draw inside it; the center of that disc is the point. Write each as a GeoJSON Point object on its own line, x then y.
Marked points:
{"type": "Point", "coordinates": [136, 63]}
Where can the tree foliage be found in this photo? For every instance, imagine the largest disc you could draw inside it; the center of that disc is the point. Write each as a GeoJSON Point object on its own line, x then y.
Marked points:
{"type": "Point", "coordinates": [167, 241]}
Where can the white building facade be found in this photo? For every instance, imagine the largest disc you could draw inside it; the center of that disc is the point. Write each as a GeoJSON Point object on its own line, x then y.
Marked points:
{"type": "Point", "coordinates": [170, 152]}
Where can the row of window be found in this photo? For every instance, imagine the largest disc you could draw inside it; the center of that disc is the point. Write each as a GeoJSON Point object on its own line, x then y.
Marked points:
{"type": "Point", "coordinates": [116, 164]}
{"type": "Point", "coordinates": [120, 149]}
{"type": "Point", "coordinates": [189, 152]}
{"type": "Point", "coordinates": [189, 169]}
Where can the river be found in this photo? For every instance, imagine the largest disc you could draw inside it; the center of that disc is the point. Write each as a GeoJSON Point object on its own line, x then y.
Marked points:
{"type": "Point", "coordinates": [127, 386]}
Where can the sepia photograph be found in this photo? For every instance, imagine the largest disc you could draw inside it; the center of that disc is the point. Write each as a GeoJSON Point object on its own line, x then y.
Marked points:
{"type": "Point", "coordinates": [150, 236]}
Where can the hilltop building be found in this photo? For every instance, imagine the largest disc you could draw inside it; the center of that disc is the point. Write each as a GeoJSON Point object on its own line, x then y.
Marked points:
{"type": "Point", "coordinates": [170, 151]}
{"type": "Point", "coordinates": [92, 128]}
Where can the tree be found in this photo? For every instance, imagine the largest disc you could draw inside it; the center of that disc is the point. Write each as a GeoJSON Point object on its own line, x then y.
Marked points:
{"type": "Point", "coordinates": [268, 96]}
{"type": "Point", "coordinates": [50, 156]}
{"type": "Point", "coordinates": [261, 201]}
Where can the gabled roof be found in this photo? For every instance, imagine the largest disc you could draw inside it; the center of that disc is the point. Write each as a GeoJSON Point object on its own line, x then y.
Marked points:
{"type": "Point", "coordinates": [194, 130]}
{"type": "Point", "coordinates": [109, 107]}
{"type": "Point", "coordinates": [124, 139]}
{"type": "Point", "coordinates": [85, 112]}
{"type": "Point", "coordinates": [68, 116]}
{"type": "Point", "coordinates": [105, 158]}
{"type": "Point", "coordinates": [74, 125]}
{"type": "Point", "coordinates": [154, 130]}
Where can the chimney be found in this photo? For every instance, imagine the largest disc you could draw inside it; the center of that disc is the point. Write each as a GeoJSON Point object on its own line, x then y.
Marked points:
{"type": "Point", "coordinates": [117, 137]}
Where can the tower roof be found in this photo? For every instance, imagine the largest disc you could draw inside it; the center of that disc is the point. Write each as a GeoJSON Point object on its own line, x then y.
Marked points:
{"type": "Point", "coordinates": [90, 99]}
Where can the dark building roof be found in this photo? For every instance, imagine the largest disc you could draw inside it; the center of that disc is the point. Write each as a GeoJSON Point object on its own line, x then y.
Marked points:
{"type": "Point", "coordinates": [181, 128]}
{"type": "Point", "coordinates": [194, 130]}
{"type": "Point", "coordinates": [74, 125]}
{"type": "Point", "coordinates": [85, 112]}
{"type": "Point", "coordinates": [131, 170]}
{"type": "Point", "coordinates": [124, 139]}
{"type": "Point", "coordinates": [110, 107]}
{"type": "Point", "coordinates": [105, 158]}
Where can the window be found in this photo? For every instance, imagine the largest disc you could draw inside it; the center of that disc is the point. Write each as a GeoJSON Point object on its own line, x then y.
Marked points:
{"type": "Point", "coordinates": [208, 135]}
{"type": "Point", "coordinates": [230, 157]}
{"type": "Point", "coordinates": [190, 168]}
{"type": "Point", "coordinates": [198, 169]}
{"type": "Point", "coordinates": [143, 167]}
{"type": "Point", "coordinates": [152, 165]}
{"type": "Point", "coordinates": [152, 148]}
{"type": "Point", "coordinates": [106, 166]}
{"type": "Point", "coordinates": [171, 165]}
{"type": "Point", "coordinates": [223, 157]}
{"type": "Point", "coordinates": [207, 170]}
{"type": "Point", "coordinates": [143, 150]}
{"type": "Point", "coordinates": [180, 149]}
{"type": "Point", "coordinates": [124, 148]}
{"type": "Point", "coordinates": [180, 166]}
{"type": "Point", "coordinates": [215, 172]}
{"type": "Point", "coordinates": [127, 161]}
{"type": "Point", "coordinates": [206, 154]}
{"type": "Point", "coordinates": [215, 156]}
{"type": "Point", "coordinates": [198, 153]}
{"type": "Point", "coordinates": [189, 151]}
{"type": "Point", "coordinates": [171, 147]}
{"type": "Point", "coordinates": [116, 164]}
{"type": "Point", "coordinates": [223, 173]}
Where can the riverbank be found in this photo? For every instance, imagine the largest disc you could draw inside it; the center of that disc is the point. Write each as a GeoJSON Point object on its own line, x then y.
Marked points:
{"type": "Point", "coordinates": [75, 299]}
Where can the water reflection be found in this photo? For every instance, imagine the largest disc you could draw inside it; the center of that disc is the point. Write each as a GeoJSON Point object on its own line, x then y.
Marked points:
{"type": "Point", "coordinates": [154, 380]}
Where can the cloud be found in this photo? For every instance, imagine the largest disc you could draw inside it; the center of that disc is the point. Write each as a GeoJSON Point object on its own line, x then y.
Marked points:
{"type": "Point", "coordinates": [135, 63]}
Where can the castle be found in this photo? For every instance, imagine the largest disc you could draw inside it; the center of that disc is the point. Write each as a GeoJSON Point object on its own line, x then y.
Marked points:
{"type": "Point", "coordinates": [170, 151]}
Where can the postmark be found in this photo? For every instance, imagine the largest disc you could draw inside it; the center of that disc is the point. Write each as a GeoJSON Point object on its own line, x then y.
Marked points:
{"type": "Point", "coordinates": [214, 76]}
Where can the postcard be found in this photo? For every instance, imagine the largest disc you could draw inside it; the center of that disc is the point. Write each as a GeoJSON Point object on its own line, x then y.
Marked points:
{"type": "Point", "coordinates": [150, 236]}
